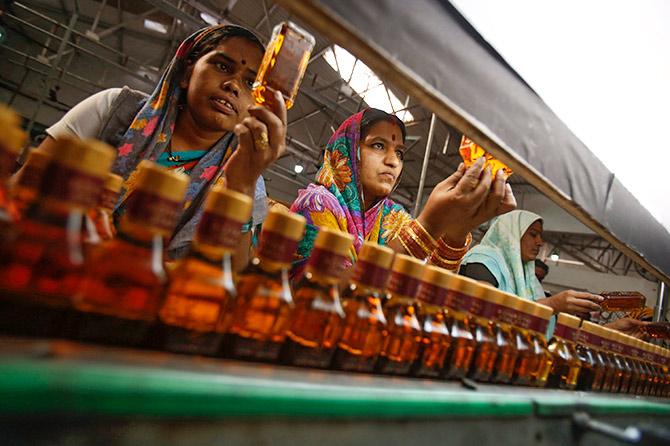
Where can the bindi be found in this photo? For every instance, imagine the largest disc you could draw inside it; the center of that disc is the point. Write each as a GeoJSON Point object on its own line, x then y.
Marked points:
{"type": "Point", "coordinates": [392, 137]}
{"type": "Point", "coordinates": [244, 62]}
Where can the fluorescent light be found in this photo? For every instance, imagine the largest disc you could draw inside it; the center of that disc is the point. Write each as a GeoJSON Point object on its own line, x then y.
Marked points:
{"type": "Point", "coordinates": [209, 19]}
{"type": "Point", "coordinates": [554, 257]}
{"type": "Point", "coordinates": [365, 82]}
{"type": "Point", "coordinates": [155, 26]}
{"type": "Point", "coordinates": [298, 168]}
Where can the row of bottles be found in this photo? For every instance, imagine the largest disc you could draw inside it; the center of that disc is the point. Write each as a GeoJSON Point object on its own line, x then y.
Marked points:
{"type": "Point", "coordinates": [68, 270]}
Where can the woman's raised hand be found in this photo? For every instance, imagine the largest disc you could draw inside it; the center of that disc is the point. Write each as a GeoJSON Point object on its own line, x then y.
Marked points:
{"type": "Point", "coordinates": [465, 200]}
{"type": "Point", "coordinates": [573, 302]}
{"type": "Point", "coordinates": [261, 141]}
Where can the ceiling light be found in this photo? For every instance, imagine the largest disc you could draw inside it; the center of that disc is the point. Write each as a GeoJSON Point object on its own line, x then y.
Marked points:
{"type": "Point", "coordinates": [298, 168]}
{"type": "Point", "coordinates": [554, 257]}
{"type": "Point", "coordinates": [155, 26]}
{"type": "Point", "coordinates": [209, 19]}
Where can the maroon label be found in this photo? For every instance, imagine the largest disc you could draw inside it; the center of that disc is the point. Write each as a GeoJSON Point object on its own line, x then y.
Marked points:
{"type": "Point", "coordinates": [65, 184]}
{"type": "Point", "coordinates": [327, 263]}
{"type": "Point", "coordinates": [31, 176]}
{"type": "Point", "coordinates": [152, 210]}
{"type": "Point", "coordinates": [617, 348]}
{"type": "Point", "coordinates": [370, 274]}
{"type": "Point", "coordinates": [108, 199]}
{"type": "Point", "coordinates": [432, 294]}
{"type": "Point", "coordinates": [457, 300]}
{"type": "Point", "coordinates": [565, 332]}
{"type": "Point", "coordinates": [276, 248]}
{"type": "Point", "coordinates": [7, 160]}
{"type": "Point", "coordinates": [589, 338]}
{"type": "Point", "coordinates": [403, 284]}
{"type": "Point", "coordinates": [217, 230]}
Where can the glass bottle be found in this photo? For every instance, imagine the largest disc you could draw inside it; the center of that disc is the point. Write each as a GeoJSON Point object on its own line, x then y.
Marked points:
{"type": "Point", "coordinates": [566, 366]}
{"type": "Point", "coordinates": [537, 328]}
{"type": "Point", "coordinates": [318, 318]}
{"type": "Point", "coordinates": [261, 311]}
{"type": "Point", "coordinates": [621, 300]}
{"type": "Point", "coordinates": [403, 330]}
{"type": "Point", "coordinates": [515, 313]}
{"type": "Point", "coordinates": [490, 342]}
{"type": "Point", "coordinates": [436, 339]}
{"type": "Point", "coordinates": [365, 324]}
{"type": "Point", "coordinates": [125, 281]}
{"type": "Point", "coordinates": [25, 187]}
{"type": "Point", "coordinates": [43, 267]}
{"type": "Point", "coordinates": [658, 330]}
{"type": "Point", "coordinates": [590, 335]}
{"type": "Point", "coordinates": [101, 216]}
{"type": "Point", "coordinates": [284, 63]}
{"type": "Point", "coordinates": [643, 380]}
{"type": "Point", "coordinates": [503, 371]}
{"type": "Point", "coordinates": [12, 140]}
{"type": "Point", "coordinates": [463, 344]}
{"type": "Point", "coordinates": [630, 358]}
{"type": "Point", "coordinates": [615, 349]}
{"type": "Point", "coordinates": [201, 283]}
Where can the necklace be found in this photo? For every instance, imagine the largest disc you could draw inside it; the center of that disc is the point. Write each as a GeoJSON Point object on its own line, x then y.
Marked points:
{"type": "Point", "coordinates": [172, 158]}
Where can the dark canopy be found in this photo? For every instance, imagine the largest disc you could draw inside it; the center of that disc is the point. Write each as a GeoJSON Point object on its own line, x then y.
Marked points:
{"type": "Point", "coordinates": [428, 48]}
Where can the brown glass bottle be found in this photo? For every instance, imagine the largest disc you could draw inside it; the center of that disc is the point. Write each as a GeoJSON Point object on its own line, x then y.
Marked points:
{"type": "Point", "coordinates": [261, 311]}
{"type": "Point", "coordinates": [623, 374]}
{"type": "Point", "coordinates": [317, 321]}
{"type": "Point", "coordinates": [631, 361]}
{"type": "Point", "coordinates": [462, 353]}
{"type": "Point", "coordinates": [12, 140]}
{"type": "Point", "coordinates": [658, 330]}
{"type": "Point", "coordinates": [43, 267]}
{"type": "Point", "coordinates": [643, 380]}
{"type": "Point", "coordinates": [527, 361]}
{"type": "Point", "coordinates": [365, 323]}
{"type": "Point", "coordinates": [485, 332]}
{"type": "Point", "coordinates": [503, 371]}
{"type": "Point", "coordinates": [25, 186]}
{"type": "Point", "coordinates": [201, 284]}
{"type": "Point", "coordinates": [566, 366]}
{"type": "Point", "coordinates": [100, 217]}
{"type": "Point", "coordinates": [435, 339]}
{"type": "Point", "coordinates": [536, 330]}
{"type": "Point", "coordinates": [403, 330]}
{"type": "Point", "coordinates": [125, 281]}
{"type": "Point", "coordinates": [590, 335]}
{"type": "Point", "coordinates": [621, 300]}
{"type": "Point", "coordinates": [284, 63]}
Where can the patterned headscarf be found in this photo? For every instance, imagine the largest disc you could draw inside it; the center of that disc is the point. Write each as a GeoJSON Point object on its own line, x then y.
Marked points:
{"type": "Point", "coordinates": [149, 133]}
{"type": "Point", "coordinates": [336, 200]}
{"type": "Point", "coordinates": [500, 252]}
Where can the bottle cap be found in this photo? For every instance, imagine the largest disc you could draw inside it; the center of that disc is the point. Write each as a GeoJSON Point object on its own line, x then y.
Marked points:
{"type": "Point", "coordinates": [334, 241]}
{"type": "Point", "coordinates": [89, 156]}
{"type": "Point", "coordinates": [512, 301]}
{"type": "Point", "coordinates": [229, 203]}
{"type": "Point", "coordinates": [466, 285]}
{"type": "Point", "coordinates": [539, 310]}
{"type": "Point", "coordinates": [161, 181]}
{"type": "Point", "coordinates": [591, 328]}
{"type": "Point", "coordinates": [568, 320]}
{"type": "Point", "coordinates": [287, 224]}
{"type": "Point", "coordinates": [437, 276]}
{"type": "Point", "coordinates": [493, 295]}
{"type": "Point", "coordinates": [113, 182]}
{"type": "Point", "coordinates": [408, 266]}
{"type": "Point", "coordinates": [13, 136]}
{"type": "Point", "coordinates": [378, 255]}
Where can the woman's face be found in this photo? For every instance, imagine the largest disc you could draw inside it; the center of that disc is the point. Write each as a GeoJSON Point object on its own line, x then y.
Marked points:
{"type": "Point", "coordinates": [219, 84]}
{"type": "Point", "coordinates": [531, 242]}
{"type": "Point", "coordinates": [382, 153]}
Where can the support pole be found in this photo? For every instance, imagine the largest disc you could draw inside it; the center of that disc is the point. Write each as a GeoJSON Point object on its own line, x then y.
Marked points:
{"type": "Point", "coordinates": [424, 167]}
{"type": "Point", "coordinates": [661, 303]}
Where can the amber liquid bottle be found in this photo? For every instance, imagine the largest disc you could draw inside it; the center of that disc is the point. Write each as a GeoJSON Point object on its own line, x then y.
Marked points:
{"type": "Point", "coordinates": [643, 371]}
{"type": "Point", "coordinates": [365, 323]}
{"type": "Point", "coordinates": [503, 370]}
{"type": "Point", "coordinates": [43, 267]}
{"type": "Point", "coordinates": [436, 338]}
{"type": "Point", "coordinates": [25, 187]}
{"type": "Point", "coordinates": [566, 366]}
{"type": "Point", "coordinates": [318, 318]}
{"type": "Point", "coordinates": [621, 351]}
{"type": "Point", "coordinates": [541, 314]}
{"type": "Point", "coordinates": [261, 311]}
{"type": "Point", "coordinates": [284, 63]}
{"type": "Point", "coordinates": [403, 331]}
{"type": "Point", "coordinates": [12, 139]}
{"type": "Point", "coordinates": [125, 281]}
{"type": "Point", "coordinates": [621, 300]}
{"type": "Point", "coordinates": [201, 284]}
{"type": "Point", "coordinates": [100, 217]}
{"type": "Point", "coordinates": [511, 314]}
{"type": "Point", "coordinates": [591, 377]}
{"type": "Point", "coordinates": [619, 373]}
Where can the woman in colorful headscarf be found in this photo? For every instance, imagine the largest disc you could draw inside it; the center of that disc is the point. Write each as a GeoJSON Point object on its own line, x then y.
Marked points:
{"type": "Point", "coordinates": [505, 258]}
{"type": "Point", "coordinates": [362, 164]}
{"type": "Point", "coordinates": [200, 119]}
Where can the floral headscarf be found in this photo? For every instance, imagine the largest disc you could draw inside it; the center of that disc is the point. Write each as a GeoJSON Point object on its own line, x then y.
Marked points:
{"type": "Point", "coordinates": [336, 200]}
{"type": "Point", "coordinates": [149, 134]}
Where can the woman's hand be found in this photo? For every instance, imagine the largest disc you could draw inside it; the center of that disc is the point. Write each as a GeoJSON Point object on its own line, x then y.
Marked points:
{"type": "Point", "coordinates": [465, 200]}
{"type": "Point", "coordinates": [629, 326]}
{"type": "Point", "coordinates": [573, 302]}
{"type": "Point", "coordinates": [261, 141]}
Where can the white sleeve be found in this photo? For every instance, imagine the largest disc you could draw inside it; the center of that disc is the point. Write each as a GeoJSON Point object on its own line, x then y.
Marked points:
{"type": "Point", "coordinates": [86, 119]}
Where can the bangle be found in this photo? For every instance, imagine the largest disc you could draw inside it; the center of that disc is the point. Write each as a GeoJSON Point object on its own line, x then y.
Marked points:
{"type": "Point", "coordinates": [416, 240]}
{"type": "Point", "coordinates": [448, 257]}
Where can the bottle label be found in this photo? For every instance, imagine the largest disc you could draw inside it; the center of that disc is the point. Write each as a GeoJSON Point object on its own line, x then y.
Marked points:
{"type": "Point", "coordinates": [108, 199]}
{"type": "Point", "coordinates": [565, 332]}
{"type": "Point", "coordinates": [403, 285]}
{"type": "Point", "coordinates": [327, 263]}
{"type": "Point", "coordinates": [217, 230]}
{"type": "Point", "coordinates": [370, 274]}
{"type": "Point", "coordinates": [277, 248]}
{"type": "Point", "coordinates": [70, 185]}
{"type": "Point", "coordinates": [589, 338]}
{"type": "Point", "coordinates": [433, 294]}
{"type": "Point", "coordinates": [152, 210]}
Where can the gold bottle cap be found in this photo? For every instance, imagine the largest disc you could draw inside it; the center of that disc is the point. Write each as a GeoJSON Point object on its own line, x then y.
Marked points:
{"type": "Point", "coordinates": [229, 203]}
{"type": "Point", "coordinates": [437, 276]}
{"type": "Point", "coordinates": [287, 224]}
{"type": "Point", "coordinates": [539, 310]}
{"type": "Point", "coordinates": [591, 328]}
{"type": "Point", "coordinates": [512, 301]}
{"type": "Point", "coordinates": [381, 256]}
{"type": "Point", "coordinates": [408, 265]}
{"type": "Point", "coordinates": [466, 285]}
{"type": "Point", "coordinates": [88, 156]}
{"type": "Point", "coordinates": [332, 240]}
{"type": "Point", "coordinates": [608, 333]}
{"type": "Point", "coordinates": [568, 320]}
{"type": "Point", "coordinates": [13, 136]}
{"type": "Point", "coordinates": [161, 181]}
{"type": "Point", "coordinates": [493, 294]}
{"type": "Point", "coordinates": [113, 182]}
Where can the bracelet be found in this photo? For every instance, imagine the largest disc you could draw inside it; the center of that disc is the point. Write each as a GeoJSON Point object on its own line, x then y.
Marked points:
{"type": "Point", "coordinates": [416, 240]}
{"type": "Point", "coordinates": [448, 257]}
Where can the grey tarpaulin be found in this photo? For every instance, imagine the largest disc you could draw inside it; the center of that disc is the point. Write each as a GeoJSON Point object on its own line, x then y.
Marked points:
{"type": "Point", "coordinates": [428, 48]}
